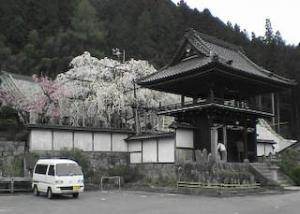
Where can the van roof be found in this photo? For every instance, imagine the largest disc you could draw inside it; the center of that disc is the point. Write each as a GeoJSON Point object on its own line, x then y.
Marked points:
{"type": "Point", "coordinates": [54, 161]}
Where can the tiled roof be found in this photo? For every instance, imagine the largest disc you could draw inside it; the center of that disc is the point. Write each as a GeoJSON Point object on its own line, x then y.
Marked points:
{"type": "Point", "coordinates": [213, 50]}
{"type": "Point", "coordinates": [19, 84]}
{"type": "Point", "coordinates": [178, 69]}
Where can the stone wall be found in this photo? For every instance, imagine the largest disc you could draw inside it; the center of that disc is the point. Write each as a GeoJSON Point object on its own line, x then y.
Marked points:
{"type": "Point", "coordinates": [97, 160]}
{"type": "Point", "coordinates": [11, 158]}
{"type": "Point", "coordinates": [8, 148]}
{"type": "Point", "coordinates": [215, 173]}
{"type": "Point", "coordinates": [163, 174]}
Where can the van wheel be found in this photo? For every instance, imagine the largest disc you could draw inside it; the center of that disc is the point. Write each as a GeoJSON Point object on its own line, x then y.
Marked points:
{"type": "Point", "coordinates": [36, 191]}
{"type": "Point", "coordinates": [49, 193]}
{"type": "Point", "coordinates": [75, 195]}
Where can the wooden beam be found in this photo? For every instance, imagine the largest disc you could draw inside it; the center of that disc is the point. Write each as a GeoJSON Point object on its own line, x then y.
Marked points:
{"type": "Point", "coordinates": [273, 108]}
{"type": "Point", "coordinates": [278, 112]}
{"type": "Point", "coordinates": [245, 140]}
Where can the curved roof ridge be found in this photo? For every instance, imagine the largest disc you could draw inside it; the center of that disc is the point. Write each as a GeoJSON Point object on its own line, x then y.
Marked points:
{"type": "Point", "coordinates": [217, 41]}
{"type": "Point", "coordinates": [205, 48]}
{"type": "Point", "coordinates": [267, 72]}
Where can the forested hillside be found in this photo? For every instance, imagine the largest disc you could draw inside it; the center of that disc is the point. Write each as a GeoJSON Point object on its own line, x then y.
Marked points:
{"type": "Point", "coordinates": [43, 36]}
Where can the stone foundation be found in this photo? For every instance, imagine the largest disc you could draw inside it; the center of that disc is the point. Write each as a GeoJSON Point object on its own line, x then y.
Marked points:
{"type": "Point", "coordinates": [97, 160]}
{"type": "Point", "coordinates": [164, 174]}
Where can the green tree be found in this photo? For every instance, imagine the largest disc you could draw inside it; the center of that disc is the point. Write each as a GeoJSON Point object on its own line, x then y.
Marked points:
{"type": "Point", "coordinates": [86, 29]}
{"type": "Point", "coordinates": [5, 53]}
{"type": "Point", "coordinates": [269, 35]}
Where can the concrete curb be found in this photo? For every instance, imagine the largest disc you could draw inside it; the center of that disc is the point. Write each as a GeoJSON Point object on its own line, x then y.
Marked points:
{"type": "Point", "coordinates": [203, 192]}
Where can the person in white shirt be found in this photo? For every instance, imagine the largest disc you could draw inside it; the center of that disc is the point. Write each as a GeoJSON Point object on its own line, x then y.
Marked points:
{"type": "Point", "coordinates": [222, 152]}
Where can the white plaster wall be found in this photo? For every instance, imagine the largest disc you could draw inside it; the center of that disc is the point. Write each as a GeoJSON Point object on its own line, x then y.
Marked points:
{"type": "Point", "coordinates": [166, 150]}
{"type": "Point", "coordinates": [264, 149]}
{"type": "Point", "coordinates": [136, 157]}
{"type": "Point", "coordinates": [149, 151]}
{"type": "Point", "coordinates": [40, 140]}
{"type": "Point", "coordinates": [62, 139]}
{"type": "Point", "coordinates": [83, 140]}
{"type": "Point", "coordinates": [184, 138]}
{"type": "Point", "coordinates": [118, 142]}
{"type": "Point", "coordinates": [102, 142]}
{"type": "Point", "coordinates": [135, 146]}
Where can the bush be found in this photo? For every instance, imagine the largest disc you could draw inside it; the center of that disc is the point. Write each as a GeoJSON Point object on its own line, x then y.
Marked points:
{"type": "Point", "coordinates": [129, 174]}
{"type": "Point", "coordinates": [289, 164]}
{"type": "Point", "coordinates": [13, 167]}
{"type": "Point", "coordinates": [295, 175]}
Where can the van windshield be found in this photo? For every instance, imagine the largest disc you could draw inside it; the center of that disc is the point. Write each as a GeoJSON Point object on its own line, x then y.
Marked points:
{"type": "Point", "coordinates": [68, 169]}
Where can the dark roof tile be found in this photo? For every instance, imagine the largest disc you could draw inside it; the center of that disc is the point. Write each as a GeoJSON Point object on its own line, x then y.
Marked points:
{"type": "Point", "coordinates": [226, 53]}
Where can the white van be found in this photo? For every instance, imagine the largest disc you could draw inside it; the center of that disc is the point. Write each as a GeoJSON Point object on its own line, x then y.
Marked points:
{"type": "Point", "coordinates": [57, 176]}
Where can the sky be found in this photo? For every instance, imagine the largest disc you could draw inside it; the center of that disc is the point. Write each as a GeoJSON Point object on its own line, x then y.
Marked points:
{"type": "Point", "coordinates": [252, 14]}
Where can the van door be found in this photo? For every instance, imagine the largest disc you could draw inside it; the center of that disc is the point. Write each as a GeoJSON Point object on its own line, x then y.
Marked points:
{"type": "Point", "coordinates": [40, 177]}
{"type": "Point", "coordinates": [51, 177]}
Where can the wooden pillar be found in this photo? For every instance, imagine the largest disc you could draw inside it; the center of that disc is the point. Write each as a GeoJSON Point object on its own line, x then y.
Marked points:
{"type": "Point", "coordinates": [195, 100]}
{"type": "Point", "coordinates": [273, 109]}
{"type": "Point", "coordinates": [245, 140]}
{"type": "Point", "coordinates": [259, 102]}
{"type": "Point", "coordinates": [182, 100]}
{"type": "Point", "coordinates": [255, 141]}
{"type": "Point", "coordinates": [213, 142]}
{"type": "Point", "coordinates": [225, 140]}
{"type": "Point", "coordinates": [278, 112]}
{"type": "Point", "coordinates": [225, 135]}
{"type": "Point", "coordinates": [211, 95]}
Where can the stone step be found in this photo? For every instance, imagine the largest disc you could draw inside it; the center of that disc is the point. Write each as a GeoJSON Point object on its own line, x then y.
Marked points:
{"type": "Point", "coordinates": [268, 171]}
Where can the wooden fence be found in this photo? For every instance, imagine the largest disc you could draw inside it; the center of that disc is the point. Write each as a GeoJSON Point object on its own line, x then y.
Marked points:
{"type": "Point", "coordinates": [15, 184]}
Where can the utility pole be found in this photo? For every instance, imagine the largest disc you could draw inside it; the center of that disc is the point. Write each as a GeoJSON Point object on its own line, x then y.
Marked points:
{"type": "Point", "coordinates": [135, 111]}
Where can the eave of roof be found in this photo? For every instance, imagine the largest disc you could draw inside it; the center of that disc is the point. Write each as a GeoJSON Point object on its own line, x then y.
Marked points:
{"type": "Point", "coordinates": [266, 141]}
{"type": "Point", "coordinates": [225, 53]}
{"type": "Point", "coordinates": [150, 136]}
{"type": "Point", "coordinates": [200, 107]}
{"type": "Point", "coordinates": [68, 128]}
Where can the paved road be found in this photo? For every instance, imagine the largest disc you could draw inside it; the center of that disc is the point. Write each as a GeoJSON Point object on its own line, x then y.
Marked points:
{"type": "Point", "coordinates": [141, 202]}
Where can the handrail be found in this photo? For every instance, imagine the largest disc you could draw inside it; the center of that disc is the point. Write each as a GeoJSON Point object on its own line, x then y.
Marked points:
{"type": "Point", "coordinates": [219, 101]}
{"type": "Point", "coordinates": [117, 178]}
{"type": "Point", "coordinates": [8, 184]}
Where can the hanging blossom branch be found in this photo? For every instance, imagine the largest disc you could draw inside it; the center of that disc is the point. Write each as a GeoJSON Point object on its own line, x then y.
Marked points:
{"type": "Point", "coordinates": [45, 102]}
{"type": "Point", "coordinates": [16, 101]}
{"type": "Point", "coordinates": [104, 87]}
{"type": "Point", "coordinates": [48, 102]}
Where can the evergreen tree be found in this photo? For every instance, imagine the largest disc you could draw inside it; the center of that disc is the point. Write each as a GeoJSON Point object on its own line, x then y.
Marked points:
{"type": "Point", "coordinates": [269, 36]}
{"type": "Point", "coordinates": [5, 53]}
{"type": "Point", "coordinates": [87, 30]}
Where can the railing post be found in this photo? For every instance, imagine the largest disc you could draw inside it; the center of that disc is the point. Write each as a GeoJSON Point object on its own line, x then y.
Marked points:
{"type": "Point", "coordinates": [12, 185]}
{"type": "Point", "coordinates": [211, 95]}
{"type": "Point", "coordinates": [182, 100]}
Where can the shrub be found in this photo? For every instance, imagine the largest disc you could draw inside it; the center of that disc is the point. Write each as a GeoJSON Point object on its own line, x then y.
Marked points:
{"type": "Point", "coordinates": [129, 174]}
{"type": "Point", "coordinates": [13, 167]}
{"type": "Point", "coordinates": [295, 175]}
{"type": "Point", "coordinates": [289, 164]}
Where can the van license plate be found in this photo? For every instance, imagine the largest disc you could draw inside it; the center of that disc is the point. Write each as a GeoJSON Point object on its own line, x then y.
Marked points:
{"type": "Point", "coordinates": [76, 187]}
